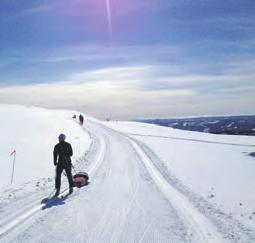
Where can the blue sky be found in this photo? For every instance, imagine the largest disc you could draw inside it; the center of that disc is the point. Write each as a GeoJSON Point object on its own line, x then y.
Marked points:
{"type": "Point", "coordinates": [146, 58]}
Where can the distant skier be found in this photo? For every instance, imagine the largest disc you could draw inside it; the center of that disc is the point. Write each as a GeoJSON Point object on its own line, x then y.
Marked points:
{"type": "Point", "coordinates": [62, 160]}
{"type": "Point", "coordinates": [81, 118]}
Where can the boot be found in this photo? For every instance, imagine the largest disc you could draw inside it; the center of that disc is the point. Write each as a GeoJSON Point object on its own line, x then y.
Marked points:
{"type": "Point", "coordinates": [57, 193]}
{"type": "Point", "coordinates": [70, 190]}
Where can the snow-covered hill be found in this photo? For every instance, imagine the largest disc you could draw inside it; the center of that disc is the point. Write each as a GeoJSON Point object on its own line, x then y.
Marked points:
{"type": "Point", "coordinates": [147, 183]}
{"type": "Point", "coordinates": [33, 132]}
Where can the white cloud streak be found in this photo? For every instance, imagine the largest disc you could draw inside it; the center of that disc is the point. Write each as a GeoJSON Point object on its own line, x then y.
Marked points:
{"type": "Point", "coordinates": [122, 93]}
{"type": "Point", "coordinates": [101, 99]}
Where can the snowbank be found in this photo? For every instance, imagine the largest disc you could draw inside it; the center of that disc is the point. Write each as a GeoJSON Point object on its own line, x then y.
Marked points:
{"type": "Point", "coordinates": [33, 132]}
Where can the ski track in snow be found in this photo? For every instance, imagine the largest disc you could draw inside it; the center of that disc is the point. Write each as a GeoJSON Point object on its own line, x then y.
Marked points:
{"type": "Point", "coordinates": [119, 205]}
{"type": "Point", "coordinates": [229, 227]}
{"type": "Point", "coordinates": [19, 216]}
{"type": "Point", "coordinates": [127, 200]}
{"type": "Point", "coordinates": [194, 210]}
{"type": "Point", "coordinates": [201, 228]}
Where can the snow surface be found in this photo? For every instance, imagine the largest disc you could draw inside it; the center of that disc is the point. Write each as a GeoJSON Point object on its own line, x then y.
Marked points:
{"type": "Point", "coordinates": [216, 167]}
{"type": "Point", "coordinates": [33, 132]}
{"type": "Point", "coordinates": [147, 183]}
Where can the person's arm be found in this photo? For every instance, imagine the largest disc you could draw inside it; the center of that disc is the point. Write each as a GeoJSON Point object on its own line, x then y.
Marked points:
{"type": "Point", "coordinates": [70, 151]}
{"type": "Point", "coordinates": [55, 156]}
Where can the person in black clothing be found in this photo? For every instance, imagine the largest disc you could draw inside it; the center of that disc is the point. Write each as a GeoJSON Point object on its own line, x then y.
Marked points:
{"type": "Point", "coordinates": [81, 118]}
{"type": "Point", "coordinates": [62, 160]}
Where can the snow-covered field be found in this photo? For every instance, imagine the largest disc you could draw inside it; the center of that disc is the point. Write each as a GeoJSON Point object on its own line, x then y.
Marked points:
{"type": "Point", "coordinates": [33, 132]}
{"type": "Point", "coordinates": [147, 183]}
{"type": "Point", "coordinates": [216, 167]}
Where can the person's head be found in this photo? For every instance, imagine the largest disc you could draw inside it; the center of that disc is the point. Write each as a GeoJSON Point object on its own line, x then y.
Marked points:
{"type": "Point", "coordinates": [62, 137]}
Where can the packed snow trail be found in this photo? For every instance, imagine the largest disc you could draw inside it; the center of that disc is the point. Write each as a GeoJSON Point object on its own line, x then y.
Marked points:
{"type": "Point", "coordinates": [202, 229]}
{"type": "Point", "coordinates": [123, 203]}
{"type": "Point", "coordinates": [31, 207]}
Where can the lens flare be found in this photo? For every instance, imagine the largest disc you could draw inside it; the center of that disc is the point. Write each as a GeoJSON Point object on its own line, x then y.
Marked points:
{"type": "Point", "coordinates": [109, 17]}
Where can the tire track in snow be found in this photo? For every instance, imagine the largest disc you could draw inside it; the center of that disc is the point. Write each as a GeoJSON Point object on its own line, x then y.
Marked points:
{"type": "Point", "coordinates": [145, 231]}
{"type": "Point", "coordinates": [15, 219]}
{"type": "Point", "coordinates": [120, 215]}
{"type": "Point", "coordinates": [99, 231]}
{"type": "Point", "coordinates": [128, 208]}
{"type": "Point", "coordinates": [202, 229]}
{"type": "Point", "coordinates": [227, 230]}
{"type": "Point", "coordinates": [156, 237]}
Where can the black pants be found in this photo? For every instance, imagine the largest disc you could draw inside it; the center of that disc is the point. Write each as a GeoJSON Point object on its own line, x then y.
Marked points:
{"type": "Point", "coordinates": [59, 170]}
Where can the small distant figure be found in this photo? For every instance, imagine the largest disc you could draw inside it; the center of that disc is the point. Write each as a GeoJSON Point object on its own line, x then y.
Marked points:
{"type": "Point", "coordinates": [81, 119]}
{"type": "Point", "coordinates": [62, 160]}
{"type": "Point", "coordinates": [74, 116]}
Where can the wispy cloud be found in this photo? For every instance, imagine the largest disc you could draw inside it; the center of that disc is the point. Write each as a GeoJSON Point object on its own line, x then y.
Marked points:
{"type": "Point", "coordinates": [38, 9]}
{"type": "Point", "coordinates": [101, 99]}
{"type": "Point", "coordinates": [163, 57]}
{"type": "Point", "coordinates": [108, 92]}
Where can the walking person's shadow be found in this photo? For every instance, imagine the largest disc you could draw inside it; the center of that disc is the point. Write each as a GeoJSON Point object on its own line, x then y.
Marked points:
{"type": "Point", "coordinates": [53, 202]}
{"type": "Point", "coordinates": [252, 154]}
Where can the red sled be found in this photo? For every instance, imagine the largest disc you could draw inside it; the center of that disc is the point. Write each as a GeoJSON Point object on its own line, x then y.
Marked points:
{"type": "Point", "coordinates": [80, 179]}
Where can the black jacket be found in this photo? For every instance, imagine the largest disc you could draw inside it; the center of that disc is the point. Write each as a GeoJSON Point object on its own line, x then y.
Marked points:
{"type": "Point", "coordinates": [62, 153]}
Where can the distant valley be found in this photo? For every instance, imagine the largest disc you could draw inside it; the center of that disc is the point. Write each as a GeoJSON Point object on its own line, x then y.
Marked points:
{"type": "Point", "coordinates": [235, 125]}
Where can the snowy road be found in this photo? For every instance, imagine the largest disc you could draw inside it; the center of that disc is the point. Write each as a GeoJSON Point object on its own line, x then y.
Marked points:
{"type": "Point", "coordinates": [127, 200]}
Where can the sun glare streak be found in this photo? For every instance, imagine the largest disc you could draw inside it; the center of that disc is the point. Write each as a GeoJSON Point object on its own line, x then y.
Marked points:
{"type": "Point", "coordinates": [109, 17]}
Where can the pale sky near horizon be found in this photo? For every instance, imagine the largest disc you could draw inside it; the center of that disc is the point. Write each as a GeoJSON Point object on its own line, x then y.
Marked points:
{"type": "Point", "coordinates": [129, 59]}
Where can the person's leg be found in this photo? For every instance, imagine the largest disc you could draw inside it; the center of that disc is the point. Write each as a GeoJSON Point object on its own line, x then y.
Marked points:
{"type": "Point", "coordinates": [68, 170]}
{"type": "Point", "coordinates": [59, 170]}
